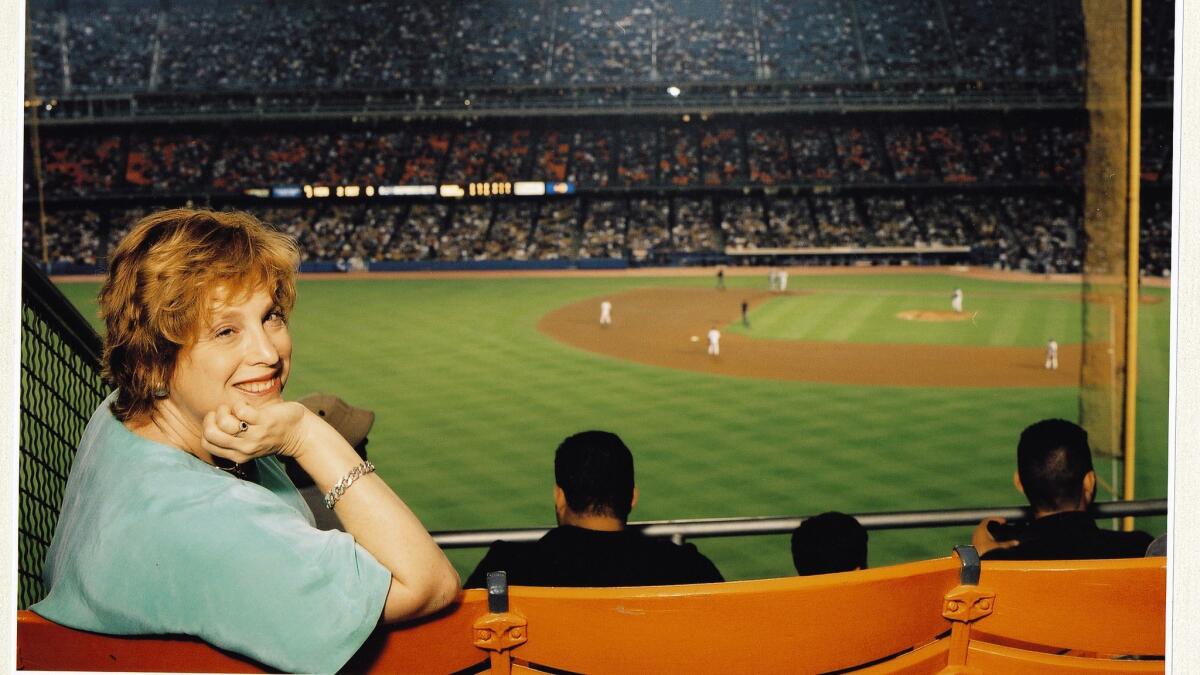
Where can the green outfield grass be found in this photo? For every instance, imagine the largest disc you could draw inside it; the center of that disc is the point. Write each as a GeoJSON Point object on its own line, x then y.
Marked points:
{"type": "Point", "coordinates": [471, 400]}
{"type": "Point", "coordinates": [1011, 319]}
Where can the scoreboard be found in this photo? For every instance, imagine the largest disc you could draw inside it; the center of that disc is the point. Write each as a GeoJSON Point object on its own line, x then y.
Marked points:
{"type": "Point", "coordinates": [483, 189]}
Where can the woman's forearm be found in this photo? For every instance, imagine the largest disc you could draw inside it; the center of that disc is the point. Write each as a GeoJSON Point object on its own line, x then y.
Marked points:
{"type": "Point", "coordinates": [423, 580]}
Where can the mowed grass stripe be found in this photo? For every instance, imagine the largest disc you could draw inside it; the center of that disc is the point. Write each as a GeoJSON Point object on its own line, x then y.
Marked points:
{"type": "Point", "coordinates": [840, 316]}
{"type": "Point", "coordinates": [471, 401]}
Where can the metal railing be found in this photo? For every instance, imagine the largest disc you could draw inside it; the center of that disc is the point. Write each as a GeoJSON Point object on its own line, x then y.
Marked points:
{"type": "Point", "coordinates": [470, 101]}
{"type": "Point", "coordinates": [680, 530]}
{"type": "Point", "coordinates": [60, 387]}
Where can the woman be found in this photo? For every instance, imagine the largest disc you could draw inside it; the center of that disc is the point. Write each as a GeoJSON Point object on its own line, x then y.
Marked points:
{"type": "Point", "coordinates": [155, 537]}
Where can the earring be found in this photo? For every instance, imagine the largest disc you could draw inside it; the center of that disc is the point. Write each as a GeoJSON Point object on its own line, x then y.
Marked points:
{"type": "Point", "coordinates": [160, 391]}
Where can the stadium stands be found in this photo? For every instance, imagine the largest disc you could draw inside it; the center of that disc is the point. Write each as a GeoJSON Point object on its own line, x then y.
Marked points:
{"type": "Point", "coordinates": [1042, 234]}
{"type": "Point", "coordinates": [815, 180]}
{"type": "Point", "coordinates": [169, 47]}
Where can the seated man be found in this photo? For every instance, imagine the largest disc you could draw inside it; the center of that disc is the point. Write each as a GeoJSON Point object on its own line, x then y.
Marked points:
{"type": "Point", "coordinates": [593, 494]}
{"type": "Point", "coordinates": [1054, 470]}
{"type": "Point", "coordinates": [830, 542]}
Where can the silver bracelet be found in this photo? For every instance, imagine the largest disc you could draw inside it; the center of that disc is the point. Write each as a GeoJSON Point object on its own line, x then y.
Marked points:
{"type": "Point", "coordinates": [346, 481]}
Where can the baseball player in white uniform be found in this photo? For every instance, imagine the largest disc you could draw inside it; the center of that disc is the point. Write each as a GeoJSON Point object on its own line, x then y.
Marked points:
{"type": "Point", "coordinates": [714, 341]}
{"type": "Point", "coordinates": [606, 313]}
{"type": "Point", "coordinates": [956, 300]}
{"type": "Point", "coordinates": [1052, 355]}
{"type": "Point", "coordinates": [783, 275]}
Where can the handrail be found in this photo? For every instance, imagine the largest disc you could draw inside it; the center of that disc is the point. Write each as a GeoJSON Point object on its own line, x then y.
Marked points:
{"type": "Point", "coordinates": [38, 292]}
{"type": "Point", "coordinates": [733, 527]}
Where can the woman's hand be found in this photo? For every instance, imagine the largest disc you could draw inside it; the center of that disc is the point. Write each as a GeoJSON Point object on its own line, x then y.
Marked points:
{"type": "Point", "coordinates": [244, 432]}
{"type": "Point", "coordinates": [423, 580]}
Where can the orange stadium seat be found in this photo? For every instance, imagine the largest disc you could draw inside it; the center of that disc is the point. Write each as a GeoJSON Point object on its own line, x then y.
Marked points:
{"type": "Point", "coordinates": [1077, 616]}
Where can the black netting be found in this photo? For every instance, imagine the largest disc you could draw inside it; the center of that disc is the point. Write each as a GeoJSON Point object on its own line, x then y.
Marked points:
{"type": "Point", "coordinates": [60, 388]}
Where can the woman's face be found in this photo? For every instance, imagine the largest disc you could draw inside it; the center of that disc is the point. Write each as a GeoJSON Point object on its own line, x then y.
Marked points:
{"type": "Point", "coordinates": [243, 356]}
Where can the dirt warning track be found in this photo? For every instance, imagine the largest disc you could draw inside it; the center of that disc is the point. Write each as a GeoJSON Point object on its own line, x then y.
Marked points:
{"type": "Point", "coordinates": [655, 326]}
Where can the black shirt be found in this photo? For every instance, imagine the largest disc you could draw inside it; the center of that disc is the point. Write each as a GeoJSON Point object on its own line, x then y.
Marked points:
{"type": "Point", "coordinates": [573, 556]}
{"type": "Point", "coordinates": [1072, 535]}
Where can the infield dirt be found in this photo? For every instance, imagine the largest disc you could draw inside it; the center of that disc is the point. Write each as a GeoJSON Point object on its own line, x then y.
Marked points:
{"type": "Point", "coordinates": [654, 326]}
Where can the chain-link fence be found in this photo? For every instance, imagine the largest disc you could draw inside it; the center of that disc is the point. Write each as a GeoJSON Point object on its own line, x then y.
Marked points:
{"type": "Point", "coordinates": [60, 388]}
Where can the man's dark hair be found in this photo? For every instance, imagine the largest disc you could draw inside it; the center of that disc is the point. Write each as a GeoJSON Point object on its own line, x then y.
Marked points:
{"type": "Point", "coordinates": [595, 471]}
{"type": "Point", "coordinates": [1053, 456]}
{"type": "Point", "coordinates": [830, 542]}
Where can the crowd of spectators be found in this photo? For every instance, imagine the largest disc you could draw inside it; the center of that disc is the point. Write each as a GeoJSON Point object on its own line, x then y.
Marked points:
{"type": "Point", "coordinates": [768, 158]}
{"type": "Point", "coordinates": [174, 163]}
{"type": "Point", "coordinates": [80, 166]}
{"type": "Point", "coordinates": [94, 46]}
{"type": "Point", "coordinates": [1046, 232]}
{"type": "Point", "coordinates": [468, 157]}
{"type": "Point", "coordinates": [815, 41]}
{"type": "Point", "coordinates": [509, 231]}
{"type": "Point", "coordinates": [464, 234]}
{"type": "Point", "coordinates": [591, 158]}
{"type": "Point", "coordinates": [602, 41]}
{"type": "Point", "coordinates": [905, 38]}
{"type": "Point", "coordinates": [790, 224]}
{"type": "Point", "coordinates": [839, 222]}
{"type": "Point", "coordinates": [1049, 153]}
{"type": "Point", "coordinates": [1156, 236]}
{"type": "Point", "coordinates": [1157, 146]}
{"type": "Point", "coordinates": [649, 227]}
{"type": "Point", "coordinates": [743, 223]}
{"type": "Point", "coordinates": [939, 219]}
{"type": "Point", "coordinates": [1037, 233]}
{"type": "Point", "coordinates": [964, 184]}
{"type": "Point", "coordinates": [670, 155]}
{"type": "Point", "coordinates": [893, 223]}
{"type": "Point", "coordinates": [418, 237]}
{"type": "Point", "coordinates": [556, 233]}
{"type": "Point", "coordinates": [603, 230]}
{"type": "Point", "coordinates": [722, 157]}
{"type": "Point", "coordinates": [693, 230]}
{"type": "Point", "coordinates": [678, 164]}
{"type": "Point", "coordinates": [858, 155]}
{"type": "Point", "coordinates": [704, 40]}
{"type": "Point", "coordinates": [639, 158]}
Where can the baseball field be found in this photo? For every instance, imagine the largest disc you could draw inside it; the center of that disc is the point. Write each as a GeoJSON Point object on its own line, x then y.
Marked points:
{"type": "Point", "coordinates": [852, 391]}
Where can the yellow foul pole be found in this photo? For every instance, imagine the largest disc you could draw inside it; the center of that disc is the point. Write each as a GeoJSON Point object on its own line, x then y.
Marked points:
{"type": "Point", "coordinates": [1132, 286]}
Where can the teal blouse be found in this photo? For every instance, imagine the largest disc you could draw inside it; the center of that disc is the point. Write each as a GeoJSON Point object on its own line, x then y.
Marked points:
{"type": "Point", "coordinates": [151, 540]}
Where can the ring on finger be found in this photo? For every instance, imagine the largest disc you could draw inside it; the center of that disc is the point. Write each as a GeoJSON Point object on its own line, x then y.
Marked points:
{"type": "Point", "coordinates": [242, 426]}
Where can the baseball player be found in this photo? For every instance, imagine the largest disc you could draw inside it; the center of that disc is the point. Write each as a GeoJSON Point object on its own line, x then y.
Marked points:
{"type": "Point", "coordinates": [1052, 355]}
{"type": "Point", "coordinates": [714, 341]}
{"type": "Point", "coordinates": [782, 276]}
{"type": "Point", "coordinates": [956, 300]}
{"type": "Point", "coordinates": [606, 313]}
{"type": "Point", "coordinates": [745, 314]}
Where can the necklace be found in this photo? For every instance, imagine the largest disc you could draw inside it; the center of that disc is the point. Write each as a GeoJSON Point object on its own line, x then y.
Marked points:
{"type": "Point", "coordinates": [247, 471]}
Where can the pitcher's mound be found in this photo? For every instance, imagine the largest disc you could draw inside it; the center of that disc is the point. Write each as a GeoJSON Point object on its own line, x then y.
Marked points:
{"type": "Point", "coordinates": [933, 315]}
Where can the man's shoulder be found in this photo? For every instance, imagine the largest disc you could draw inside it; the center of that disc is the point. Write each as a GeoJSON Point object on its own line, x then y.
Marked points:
{"type": "Point", "coordinates": [686, 560]}
{"type": "Point", "coordinates": [1135, 540]}
{"type": "Point", "coordinates": [508, 556]}
{"type": "Point", "coordinates": [1099, 544]}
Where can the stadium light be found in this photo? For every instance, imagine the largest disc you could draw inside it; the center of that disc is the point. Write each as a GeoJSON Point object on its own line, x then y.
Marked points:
{"type": "Point", "coordinates": [673, 91]}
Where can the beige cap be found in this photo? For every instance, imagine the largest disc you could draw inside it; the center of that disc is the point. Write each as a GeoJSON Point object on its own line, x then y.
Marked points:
{"type": "Point", "coordinates": [352, 423]}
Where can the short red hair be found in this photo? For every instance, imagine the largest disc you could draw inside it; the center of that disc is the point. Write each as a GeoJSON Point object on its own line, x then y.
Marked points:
{"type": "Point", "coordinates": [160, 286]}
